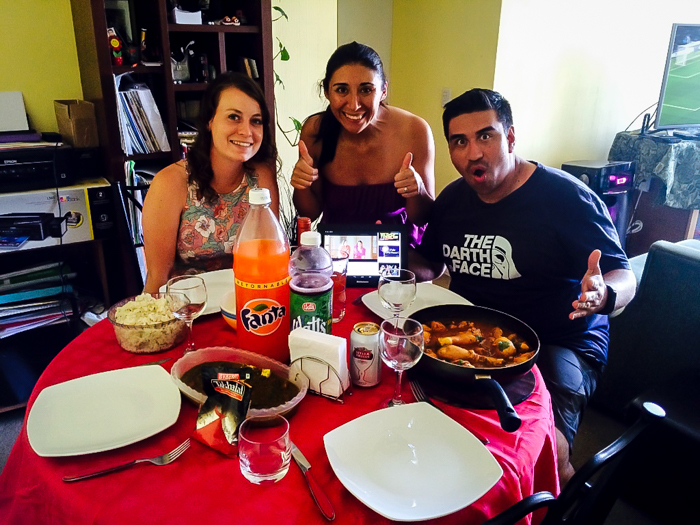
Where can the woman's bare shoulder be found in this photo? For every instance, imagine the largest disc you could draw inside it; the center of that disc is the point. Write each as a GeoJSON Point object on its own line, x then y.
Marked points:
{"type": "Point", "coordinates": [264, 170]}
{"type": "Point", "coordinates": [172, 178]}
{"type": "Point", "coordinates": [311, 124]}
{"type": "Point", "coordinates": [407, 120]}
{"type": "Point", "coordinates": [309, 134]}
{"type": "Point", "coordinates": [176, 172]}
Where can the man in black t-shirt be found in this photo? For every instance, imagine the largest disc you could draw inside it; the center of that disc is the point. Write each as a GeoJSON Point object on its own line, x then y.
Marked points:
{"type": "Point", "coordinates": [531, 241]}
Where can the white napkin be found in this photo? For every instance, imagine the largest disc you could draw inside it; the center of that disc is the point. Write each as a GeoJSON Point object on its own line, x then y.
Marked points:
{"type": "Point", "coordinates": [328, 348]}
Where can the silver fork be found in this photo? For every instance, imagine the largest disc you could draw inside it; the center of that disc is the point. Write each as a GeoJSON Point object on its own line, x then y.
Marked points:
{"type": "Point", "coordinates": [421, 396]}
{"type": "Point", "coordinates": [158, 460]}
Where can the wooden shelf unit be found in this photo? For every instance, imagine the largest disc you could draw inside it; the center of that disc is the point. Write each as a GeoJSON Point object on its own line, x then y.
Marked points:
{"type": "Point", "coordinates": [223, 45]}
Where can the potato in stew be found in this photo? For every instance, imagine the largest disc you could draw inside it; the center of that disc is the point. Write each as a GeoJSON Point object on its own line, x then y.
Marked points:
{"type": "Point", "coordinates": [474, 344]}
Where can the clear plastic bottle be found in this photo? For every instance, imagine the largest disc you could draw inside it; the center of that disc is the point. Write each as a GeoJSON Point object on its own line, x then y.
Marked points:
{"type": "Point", "coordinates": [260, 268]}
{"type": "Point", "coordinates": [311, 286]}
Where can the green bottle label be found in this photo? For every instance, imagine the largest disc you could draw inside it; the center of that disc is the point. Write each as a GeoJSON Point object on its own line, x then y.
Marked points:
{"type": "Point", "coordinates": [312, 310]}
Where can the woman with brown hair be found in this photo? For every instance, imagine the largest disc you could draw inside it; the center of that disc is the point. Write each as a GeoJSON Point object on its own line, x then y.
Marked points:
{"type": "Point", "coordinates": [194, 207]}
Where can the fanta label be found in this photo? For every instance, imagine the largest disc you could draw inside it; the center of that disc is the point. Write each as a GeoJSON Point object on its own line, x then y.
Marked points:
{"type": "Point", "coordinates": [262, 316]}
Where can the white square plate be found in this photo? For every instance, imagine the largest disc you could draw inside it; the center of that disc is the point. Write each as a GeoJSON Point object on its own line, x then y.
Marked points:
{"type": "Point", "coordinates": [411, 462]}
{"type": "Point", "coordinates": [218, 284]}
{"type": "Point", "coordinates": [102, 411]}
{"type": "Point", "coordinates": [427, 294]}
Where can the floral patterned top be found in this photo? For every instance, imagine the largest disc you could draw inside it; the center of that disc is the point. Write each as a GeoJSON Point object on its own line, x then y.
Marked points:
{"type": "Point", "coordinates": [208, 229]}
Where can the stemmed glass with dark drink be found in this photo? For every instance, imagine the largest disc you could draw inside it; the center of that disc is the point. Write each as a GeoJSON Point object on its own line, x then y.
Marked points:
{"type": "Point", "coordinates": [187, 298]}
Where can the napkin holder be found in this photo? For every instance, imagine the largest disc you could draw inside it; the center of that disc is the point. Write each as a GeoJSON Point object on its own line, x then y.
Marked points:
{"type": "Point", "coordinates": [323, 359]}
{"type": "Point", "coordinates": [326, 376]}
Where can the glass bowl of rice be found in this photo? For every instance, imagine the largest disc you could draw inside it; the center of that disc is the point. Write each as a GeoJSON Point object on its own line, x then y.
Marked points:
{"type": "Point", "coordinates": [144, 324]}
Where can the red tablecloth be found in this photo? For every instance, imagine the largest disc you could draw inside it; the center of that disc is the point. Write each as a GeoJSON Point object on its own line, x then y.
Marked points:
{"type": "Point", "coordinates": [205, 487]}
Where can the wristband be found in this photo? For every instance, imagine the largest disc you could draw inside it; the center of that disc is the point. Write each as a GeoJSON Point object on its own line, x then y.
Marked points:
{"type": "Point", "coordinates": [610, 302]}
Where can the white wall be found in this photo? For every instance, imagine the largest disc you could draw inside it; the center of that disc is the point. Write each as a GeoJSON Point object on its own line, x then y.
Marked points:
{"type": "Point", "coordinates": [367, 22]}
{"type": "Point", "coordinates": [576, 73]}
{"type": "Point", "coordinates": [310, 36]}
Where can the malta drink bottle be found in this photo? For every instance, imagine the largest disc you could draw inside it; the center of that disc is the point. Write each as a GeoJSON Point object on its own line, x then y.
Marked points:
{"type": "Point", "coordinates": [311, 286]}
{"type": "Point", "coordinates": [260, 269]}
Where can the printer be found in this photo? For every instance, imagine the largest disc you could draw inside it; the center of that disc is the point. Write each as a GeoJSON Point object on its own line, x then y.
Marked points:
{"type": "Point", "coordinates": [49, 217]}
{"type": "Point", "coordinates": [45, 165]}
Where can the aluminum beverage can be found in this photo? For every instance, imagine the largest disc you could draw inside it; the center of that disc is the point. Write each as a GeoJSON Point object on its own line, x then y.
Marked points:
{"type": "Point", "coordinates": [365, 363]}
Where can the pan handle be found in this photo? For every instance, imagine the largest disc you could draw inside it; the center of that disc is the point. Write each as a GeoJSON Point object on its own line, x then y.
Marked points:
{"type": "Point", "coordinates": [510, 421]}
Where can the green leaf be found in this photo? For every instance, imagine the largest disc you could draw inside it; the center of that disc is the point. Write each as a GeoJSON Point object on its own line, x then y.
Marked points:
{"type": "Point", "coordinates": [297, 124]}
{"type": "Point", "coordinates": [284, 54]}
{"type": "Point", "coordinates": [280, 11]}
{"type": "Point", "coordinates": [260, 307]}
{"type": "Point", "coordinates": [278, 80]}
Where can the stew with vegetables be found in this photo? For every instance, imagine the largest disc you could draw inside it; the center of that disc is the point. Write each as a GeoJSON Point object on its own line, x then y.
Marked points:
{"type": "Point", "coordinates": [474, 344]}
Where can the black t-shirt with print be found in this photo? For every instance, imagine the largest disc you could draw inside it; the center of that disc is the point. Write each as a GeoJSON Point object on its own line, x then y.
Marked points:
{"type": "Point", "coordinates": [526, 254]}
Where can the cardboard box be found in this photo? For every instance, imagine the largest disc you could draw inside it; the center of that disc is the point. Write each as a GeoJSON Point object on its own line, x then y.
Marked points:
{"type": "Point", "coordinates": [76, 123]}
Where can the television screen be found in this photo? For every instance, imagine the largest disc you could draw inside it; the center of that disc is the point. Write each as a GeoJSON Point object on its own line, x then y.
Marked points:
{"type": "Point", "coordinates": [679, 102]}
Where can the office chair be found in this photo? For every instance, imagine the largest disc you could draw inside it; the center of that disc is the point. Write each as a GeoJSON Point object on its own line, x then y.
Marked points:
{"type": "Point", "coordinates": [653, 356]}
{"type": "Point", "coordinates": [584, 501]}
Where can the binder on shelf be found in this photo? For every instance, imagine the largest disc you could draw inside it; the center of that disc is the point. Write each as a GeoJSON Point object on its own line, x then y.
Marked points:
{"type": "Point", "coordinates": [28, 274]}
{"type": "Point", "coordinates": [38, 280]}
{"type": "Point", "coordinates": [6, 330]}
{"type": "Point", "coordinates": [140, 123]}
{"type": "Point", "coordinates": [19, 310]}
{"type": "Point", "coordinates": [250, 67]}
{"type": "Point", "coordinates": [253, 68]}
{"type": "Point", "coordinates": [34, 293]}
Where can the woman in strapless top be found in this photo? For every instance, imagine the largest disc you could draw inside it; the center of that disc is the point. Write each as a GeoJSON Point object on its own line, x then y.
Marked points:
{"type": "Point", "coordinates": [362, 161]}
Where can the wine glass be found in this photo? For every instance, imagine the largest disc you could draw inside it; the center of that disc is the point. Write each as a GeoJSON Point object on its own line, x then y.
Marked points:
{"type": "Point", "coordinates": [400, 347]}
{"type": "Point", "coordinates": [187, 299]}
{"type": "Point", "coordinates": [397, 291]}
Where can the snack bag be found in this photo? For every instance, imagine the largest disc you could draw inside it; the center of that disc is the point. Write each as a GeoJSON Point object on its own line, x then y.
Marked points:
{"type": "Point", "coordinates": [228, 399]}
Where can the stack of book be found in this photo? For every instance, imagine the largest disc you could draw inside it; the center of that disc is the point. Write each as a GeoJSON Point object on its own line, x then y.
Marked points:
{"type": "Point", "coordinates": [35, 297]}
{"type": "Point", "coordinates": [140, 123]}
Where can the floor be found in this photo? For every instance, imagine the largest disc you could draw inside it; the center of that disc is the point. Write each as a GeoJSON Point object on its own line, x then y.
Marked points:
{"type": "Point", "coordinates": [10, 425]}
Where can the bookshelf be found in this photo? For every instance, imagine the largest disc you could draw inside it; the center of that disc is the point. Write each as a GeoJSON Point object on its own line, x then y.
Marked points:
{"type": "Point", "coordinates": [224, 46]}
{"type": "Point", "coordinates": [42, 314]}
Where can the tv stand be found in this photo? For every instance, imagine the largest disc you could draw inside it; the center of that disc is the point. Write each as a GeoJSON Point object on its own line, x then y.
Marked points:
{"type": "Point", "coordinates": [667, 185]}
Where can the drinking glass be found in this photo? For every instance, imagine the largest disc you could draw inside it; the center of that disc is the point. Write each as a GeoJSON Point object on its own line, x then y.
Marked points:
{"type": "Point", "coordinates": [340, 275]}
{"type": "Point", "coordinates": [264, 449]}
{"type": "Point", "coordinates": [192, 288]}
{"type": "Point", "coordinates": [397, 292]}
{"type": "Point", "coordinates": [400, 347]}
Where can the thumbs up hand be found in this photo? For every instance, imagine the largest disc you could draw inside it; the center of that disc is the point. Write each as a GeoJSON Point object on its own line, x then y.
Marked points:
{"type": "Point", "coordinates": [304, 173]}
{"type": "Point", "coordinates": [407, 181]}
{"type": "Point", "coordinates": [593, 289]}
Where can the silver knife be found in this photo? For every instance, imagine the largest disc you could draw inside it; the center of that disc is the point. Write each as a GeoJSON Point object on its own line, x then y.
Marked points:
{"type": "Point", "coordinates": [159, 362]}
{"type": "Point", "coordinates": [320, 498]}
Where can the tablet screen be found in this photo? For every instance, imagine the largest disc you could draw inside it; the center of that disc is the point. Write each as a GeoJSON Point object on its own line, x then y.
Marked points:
{"type": "Point", "coordinates": [372, 249]}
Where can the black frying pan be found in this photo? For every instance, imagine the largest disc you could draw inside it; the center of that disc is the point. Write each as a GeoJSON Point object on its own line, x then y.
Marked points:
{"type": "Point", "coordinates": [491, 378]}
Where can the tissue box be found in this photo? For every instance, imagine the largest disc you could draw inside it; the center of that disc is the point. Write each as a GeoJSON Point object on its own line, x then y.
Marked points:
{"type": "Point", "coordinates": [76, 122]}
{"type": "Point", "coordinates": [328, 348]}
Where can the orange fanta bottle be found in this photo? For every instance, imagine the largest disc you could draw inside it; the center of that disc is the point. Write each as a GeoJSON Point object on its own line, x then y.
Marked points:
{"type": "Point", "coordinates": [260, 262]}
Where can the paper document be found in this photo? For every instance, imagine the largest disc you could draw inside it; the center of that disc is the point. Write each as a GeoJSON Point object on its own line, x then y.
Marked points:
{"type": "Point", "coordinates": [13, 116]}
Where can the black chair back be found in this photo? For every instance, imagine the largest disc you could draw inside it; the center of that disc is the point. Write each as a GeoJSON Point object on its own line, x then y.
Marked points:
{"type": "Point", "coordinates": [128, 203]}
{"type": "Point", "coordinates": [591, 493]}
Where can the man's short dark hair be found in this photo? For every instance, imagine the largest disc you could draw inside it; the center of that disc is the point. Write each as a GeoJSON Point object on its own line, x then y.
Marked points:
{"type": "Point", "coordinates": [474, 100]}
